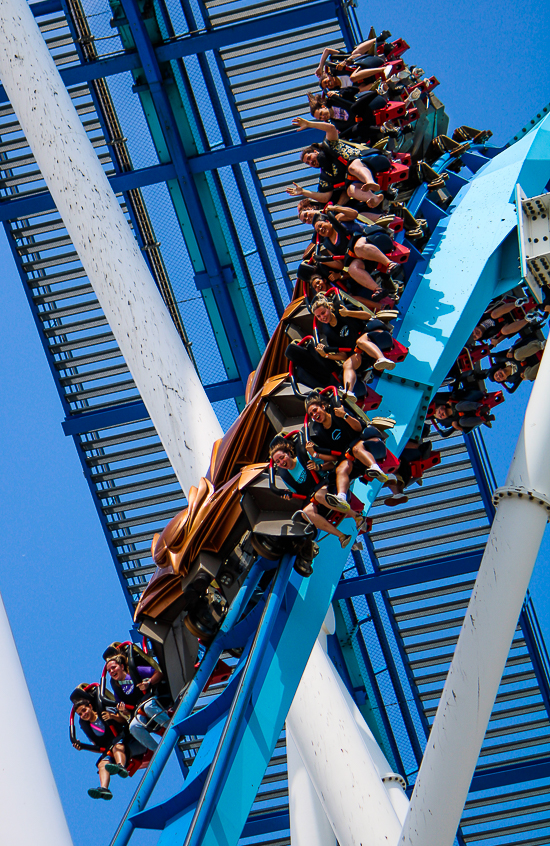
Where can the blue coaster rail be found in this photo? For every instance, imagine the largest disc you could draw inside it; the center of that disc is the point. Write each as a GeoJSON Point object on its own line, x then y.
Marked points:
{"type": "Point", "coordinates": [469, 260]}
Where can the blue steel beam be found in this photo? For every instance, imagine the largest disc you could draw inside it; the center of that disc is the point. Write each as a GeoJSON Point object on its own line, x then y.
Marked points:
{"type": "Point", "coordinates": [209, 249]}
{"type": "Point", "coordinates": [132, 412]}
{"type": "Point", "coordinates": [20, 207]}
{"type": "Point", "coordinates": [494, 777]}
{"type": "Point", "coordinates": [438, 568]}
{"type": "Point", "coordinates": [10, 209]}
{"type": "Point", "coordinates": [188, 45]}
{"type": "Point", "coordinates": [220, 112]}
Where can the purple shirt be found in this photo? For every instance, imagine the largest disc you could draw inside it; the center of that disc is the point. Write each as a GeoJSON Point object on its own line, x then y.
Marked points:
{"type": "Point", "coordinates": [127, 684]}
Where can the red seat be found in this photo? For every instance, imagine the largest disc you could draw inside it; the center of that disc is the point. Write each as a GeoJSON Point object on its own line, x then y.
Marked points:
{"type": "Point", "coordinates": [425, 85]}
{"type": "Point", "coordinates": [419, 467]}
{"type": "Point", "coordinates": [397, 49]}
{"type": "Point", "coordinates": [394, 110]}
{"type": "Point", "coordinates": [371, 401]}
{"type": "Point", "coordinates": [410, 117]}
{"type": "Point", "coordinates": [397, 224]}
{"type": "Point", "coordinates": [399, 254]}
{"type": "Point", "coordinates": [490, 400]}
{"type": "Point", "coordinates": [139, 763]}
{"type": "Point", "coordinates": [390, 463]}
{"type": "Point", "coordinates": [470, 356]}
{"type": "Point", "coordinates": [397, 65]}
{"type": "Point", "coordinates": [398, 352]}
{"type": "Point", "coordinates": [404, 158]}
{"type": "Point", "coordinates": [397, 173]}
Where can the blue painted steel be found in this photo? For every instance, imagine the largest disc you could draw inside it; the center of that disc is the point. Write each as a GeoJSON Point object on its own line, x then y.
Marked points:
{"type": "Point", "coordinates": [118, 415]}
{"type": "Point", "coordinates": [242, 702]}
{"type": "Point", "coordinates": [265, 823]}
{"type": "Point", "coordinates": [185, 707]}
{"type": "Point", "coordinates": [45, 7]}
{"type": "Point", "coordinates": [132, 412]}
{"type": "Point", "coordinates": [186, 46]}
{"type": "Point", "coordinates": [537, 649]}
{"type": "Point", "coordinates": [43, 202]}
{"type": "Point", "coordinates": [437, 568]}
{"type": "Point", "coordinates": [389, 658]}
{"type": "Point", "coordinates": [270, 146]}
{"type": "Point", "coordinates": [463, 274]}
{"type": "Point", "coordinates": [304, 606]}
{"type": "Point", "coordinates": [494, 777]}
{"type": "Point", "coordinates": [373, 690]}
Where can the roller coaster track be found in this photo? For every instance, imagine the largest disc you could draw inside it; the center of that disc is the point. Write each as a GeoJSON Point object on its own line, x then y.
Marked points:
{"type": "Point", "coordinates": [399, 621]}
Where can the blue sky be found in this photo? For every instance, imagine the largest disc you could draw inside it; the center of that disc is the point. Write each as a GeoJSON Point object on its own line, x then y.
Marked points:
{"type": "Point", "coordinates": [56, 576]}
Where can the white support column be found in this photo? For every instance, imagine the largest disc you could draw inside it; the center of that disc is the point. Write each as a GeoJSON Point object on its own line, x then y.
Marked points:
{"type": "Point", "coordinates": [487, 632]}
{"type": "Point", "coordinates": [341, 757]}
{"type": "Point", "coordinates": [137, 315]}
{"type": "Point", "coordinates": [30, 808]}
{"type": "Point", "coordinates": [309, 825]}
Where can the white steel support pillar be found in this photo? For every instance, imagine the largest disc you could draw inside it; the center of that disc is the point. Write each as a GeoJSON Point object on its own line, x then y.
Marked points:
{"type": "Point", "coordinates": [30, 808]}
{"type": "Point", "coordinates": [487, 632]}
{"type": "Point", "coordinates": [342, 759]}
{"type": "Point", "coordinates": [309, 825]}
{"type": "Point", "coordinates": [137, 315]}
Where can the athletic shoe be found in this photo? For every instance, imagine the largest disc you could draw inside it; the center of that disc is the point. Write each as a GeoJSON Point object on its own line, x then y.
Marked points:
{"type": "Point", "coordinates": [117, 769]}
{"type": "Point", "coordinates": [375, 472]}
{"type": "Point", "coordinates": [384, 364]}
{"type": "Point", "coordinates": [100, 793]}
{"type": "Point", "coordinates": [337, 504]}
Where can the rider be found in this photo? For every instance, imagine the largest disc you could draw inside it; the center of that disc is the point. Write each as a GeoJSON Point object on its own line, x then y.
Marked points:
{"type": "Point", "coordinates": [332, 429]}
{"type": "Point", "coordinates": [298, 471]}
{"type": "Point", "coordinates": [134, 694]}
{"type": "Point", "coordinates": [107, 731]}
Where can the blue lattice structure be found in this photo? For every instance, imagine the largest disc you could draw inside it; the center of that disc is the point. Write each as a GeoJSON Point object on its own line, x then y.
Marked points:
{"type": "Point", "coordinates": [199, 161]}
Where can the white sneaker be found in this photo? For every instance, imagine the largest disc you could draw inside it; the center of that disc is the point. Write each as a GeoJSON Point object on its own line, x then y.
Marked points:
{"type": "Point", "coordinates": [376, 472]}
{"type": "Point", "coordinates": [384, 364]}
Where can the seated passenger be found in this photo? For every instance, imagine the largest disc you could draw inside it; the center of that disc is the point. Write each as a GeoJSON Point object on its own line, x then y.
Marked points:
{"type": "Point", "coordinates": [108, 733]}
{"type": "Point", "coordinates": [365, 48]}
{"type": "Point", "coordinates": [343, 331]}
{"type": "Point", "coordinates": [336, 435]}
{"type": "Point", "coordinates": [352, 113]}
{"type": "Point", "coordinates": [344, 167]}
{"type": "Point", "coordinates": [498, 322]}
{"type": "Point", "coordinates": [366, 71]}
{"type": "Point", "coordinates": [518, 364]}
{"type": "Point", "coordinates": [364, 252]}
{"type": "Point", "coordinates": [463, 416]}
{"type": "Point", "coordinates": [134, 694]}
{"type": "Point", "coordinates": [297, 469]}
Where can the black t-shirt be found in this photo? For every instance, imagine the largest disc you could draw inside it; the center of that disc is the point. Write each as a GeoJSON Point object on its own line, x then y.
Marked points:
{"type": "Point", "coordinates": [101, 732]}
{"type": "Point", "coordinates": [338, 437]}
{"type": "Point", "coordinates": [344, 335]}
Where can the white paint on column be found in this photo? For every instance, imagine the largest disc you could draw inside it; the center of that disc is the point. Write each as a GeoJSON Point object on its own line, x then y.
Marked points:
{"type": "Point", "coordinates": [139, 319]}
{"type": "Point", "coordinates": [30, 808]}
{"type": "Point", "coordinates": [332, 746]}
{"type": "Point", "coordinates": [309, 825]}
{"type": "Point", "coordinates": [478, 664]}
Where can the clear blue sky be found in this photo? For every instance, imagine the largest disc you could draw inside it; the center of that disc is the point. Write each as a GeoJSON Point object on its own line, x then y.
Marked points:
{"type": "Point", "coordinates": [56, 575]}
